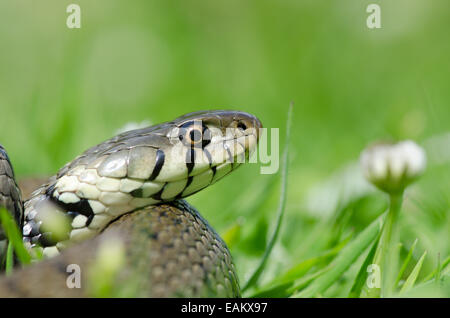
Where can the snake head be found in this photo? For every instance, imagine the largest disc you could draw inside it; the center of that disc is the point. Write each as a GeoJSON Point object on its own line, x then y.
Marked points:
{"type": "Point", "coordinates": [143, 167]}
{"type": "Point", "coordinates": [208, 145]}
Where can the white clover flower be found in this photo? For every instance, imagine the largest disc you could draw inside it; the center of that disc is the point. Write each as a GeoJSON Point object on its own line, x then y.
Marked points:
{"type": "Point", "coordinates": [391, 167]}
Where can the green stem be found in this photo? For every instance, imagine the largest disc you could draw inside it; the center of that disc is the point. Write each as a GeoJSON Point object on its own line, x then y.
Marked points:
{"type": "Point", "coordinates": [385, 250]}
{"type": "Point", "coordinates": [9, 258]}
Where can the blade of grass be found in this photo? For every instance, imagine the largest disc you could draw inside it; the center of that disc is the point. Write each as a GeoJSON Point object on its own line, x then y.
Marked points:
{"type": "Point", "coordinates": [409, 283]}
{"type": "Point", "coordinates": [9, 259]}
{"type": "Point", "coordinates": [441, 268]}
{"type": "Point", "coordinates": [257, 273]}
{"type": "Point", "coordinates": [344, 260]}
{"type": "Point", "coordinates": [14, 237]}
{"type": "Point", "coordinates": [406, 262]}
{"type": "Point", "coordinates": [438, 270]}
{"type": "Point", "coordinates": [428, 289]}
{"type": "Point", "coordinates": [297, 271]}
{"type": "Point", "coordinates": [275, 291]}
{"type": "Point", "coordinates": [282, 286]}
{"type": "Point", "coordinates": [304, 281]}
{"type": "Point", "coordinates": [361, 278]}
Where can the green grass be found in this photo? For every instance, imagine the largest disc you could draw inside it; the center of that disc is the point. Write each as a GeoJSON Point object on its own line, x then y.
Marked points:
{"type": "Point", "coordinates": [15, 241]}
{"type": "Point", "coordinates": [252, 281]}
{"type": "Point", "coordinates": [62, 91]}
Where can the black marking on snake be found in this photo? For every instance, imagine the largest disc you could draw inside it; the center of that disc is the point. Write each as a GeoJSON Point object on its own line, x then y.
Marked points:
{"type": "Point", "coordinates": [89, 219]}
{"type": "Point", "coordinates": [31, 215]}
{"type": "Point", "coordinates": [190, 160]}
{"type": "Point", "coordinates": [4, 194]}
{"type": "Point", "coordinates": [18, 207]}
{"type": "Point", "coordinates": [46, 239]}
{"type": "Point", "coordinates": [34, 228]}
{"type": "Point", "coordinates": [160, 156]}
{"type": "Point", "coordinates": [157, 196]}
{"type": "Point", "coordinates": [189, 181]}
{"type": "Point", "coordinates": [49, 191]}
{"type": "Point", "coordinates": [73, 214]}
{"type": "Point", "coordinates": [82, 207]}
{"type": "Point", "coordinates": [214, 169]}
{"type": "Point", "coordinates": [208, 155]}
{"type": "Point", "coordinates": [138, 193]}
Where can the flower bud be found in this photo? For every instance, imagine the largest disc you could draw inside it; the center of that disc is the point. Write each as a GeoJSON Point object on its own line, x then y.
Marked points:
{"type": "Point", "coordinates": [391, 167]}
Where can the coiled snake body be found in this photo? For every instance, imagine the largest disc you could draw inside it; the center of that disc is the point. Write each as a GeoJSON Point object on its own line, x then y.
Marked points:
{"type": "Point", "coordinates": [131, 187]}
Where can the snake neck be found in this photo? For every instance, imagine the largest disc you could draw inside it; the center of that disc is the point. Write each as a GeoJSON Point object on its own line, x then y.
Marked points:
{"type": "Point", "coordinates": [10, 199]}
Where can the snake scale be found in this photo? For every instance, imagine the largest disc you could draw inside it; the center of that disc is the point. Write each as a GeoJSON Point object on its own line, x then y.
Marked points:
{"type": "Point", "coordinates": [131, 187]}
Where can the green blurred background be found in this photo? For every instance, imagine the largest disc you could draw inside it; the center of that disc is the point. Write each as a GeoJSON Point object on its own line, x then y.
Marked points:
{"type": "Point", "coordinates": [63, 90]}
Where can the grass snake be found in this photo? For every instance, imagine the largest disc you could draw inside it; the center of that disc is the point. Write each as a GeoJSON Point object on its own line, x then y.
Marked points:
{"type": "Point", "coordinates": [132, 187]}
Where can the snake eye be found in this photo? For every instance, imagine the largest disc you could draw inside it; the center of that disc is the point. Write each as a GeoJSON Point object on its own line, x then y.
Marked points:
{"type": "Point", "coordinates": [241, 125]}
{"type": "Point", "coordinates": [195, 134]}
